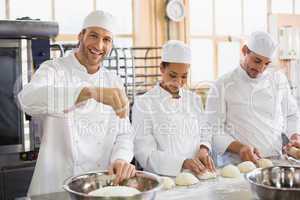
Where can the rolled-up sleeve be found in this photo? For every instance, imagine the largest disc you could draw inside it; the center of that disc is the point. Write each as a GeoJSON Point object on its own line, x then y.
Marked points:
{"type": "Point", "coordinates": [49, 92]}
{"type": "Point", "coordinates": [289, 108]}
{"type": "Point", "coordinates": [205, 134]}
{"type": "Point", "coordinates": [123, 146]}
{"type": "Point", "coordinates": [216, 118]}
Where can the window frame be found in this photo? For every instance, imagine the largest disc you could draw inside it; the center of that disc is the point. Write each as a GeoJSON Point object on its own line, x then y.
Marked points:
{"type": "Point", "coordinates": [216, 39]}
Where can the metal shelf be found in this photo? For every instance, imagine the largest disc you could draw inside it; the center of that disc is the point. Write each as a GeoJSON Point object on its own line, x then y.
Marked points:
{"type": "Point", "coordinates": [138, 67]}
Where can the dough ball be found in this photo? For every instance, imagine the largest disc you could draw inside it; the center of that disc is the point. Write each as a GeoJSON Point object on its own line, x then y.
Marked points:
{"type": "Point", "coordinates": [115, 191]}
{"type": "Point", "coordinates": [230, 171]}
{"type": "Point", "coordinates": [263, 163]}
{"type": "Point", "coordinates": [186, 179]}
{"type": "Point", "coordinates": [246, 166]}
{"type": "Point", "coordinates": [207, 175]}
{"type": "Point", "coordinates": [168, 183]}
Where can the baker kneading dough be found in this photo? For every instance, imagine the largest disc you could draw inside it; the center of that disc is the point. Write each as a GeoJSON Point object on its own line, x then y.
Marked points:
{"type": "Point", "coordinates": [186, 179]}
{"type": "Point", "coordinates": [263, 163]}
{"type": "Point", "coordinates": [168, 183]}
{"type": "Point", "coordinates": [207, 175]}
{"type": "Point", "coordinates": [246, 166]}
{"type": "Point", "coordinates": [115, 191]}
{"type": "Point", "coordinates": [230, 171]}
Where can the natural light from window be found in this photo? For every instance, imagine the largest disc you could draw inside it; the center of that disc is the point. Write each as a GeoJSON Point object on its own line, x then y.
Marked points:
{"type": "Point", "coordinates": [228, 17]}
{"type": "Point", "coordinates": [35, 9]}
{"type": "Point", "coordinates": [297, 7]}
{"type": "Point", "coordinates": [228, 57]}
{"type": "Point", "coordinates": [121, 10]}
{"type": "Point", "coordinates": [202, 11]}
{"type": "Point", "coordinates": [202, 60]}
{"type": "Point", "coordinates": [257, 20]}
{"type": "Point", "coordinates": [282, 6]}
{"type": "Point", "coordinates": [2, 9]}
{"type": "Point", "coordinates": [70, 14]}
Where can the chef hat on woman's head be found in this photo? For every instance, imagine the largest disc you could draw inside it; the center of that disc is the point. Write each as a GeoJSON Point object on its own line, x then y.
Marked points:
{"type": "Point", "coordinates": [175, 51]}
{"type": "Point", "coordinates": [100, 19]}
{"type": "Point", "coordinates": [262, 43]}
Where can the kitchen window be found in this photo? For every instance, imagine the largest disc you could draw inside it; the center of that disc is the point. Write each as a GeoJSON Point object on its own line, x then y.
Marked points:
{"type": "Point", "coordinates": [70, 14]}
{"type": "Point", "coordinates": [297, 7]}
{"type": "Point", "coordinates": [282, 6]}
{"type": "Point", "coordinates": [202, 60]}
{"type": "Point", "coordinates": [228, 17]}
{"type": "Point", "coordinates": [122, 11]}
{"type": "Point", "coordinates": [2, 9]}
{"type": "Point", "coordinates": [217, 32]}
{"type": "Point", "coordinates": [35, 9]}
{"type": "Point", "coordinates": [254, 20]}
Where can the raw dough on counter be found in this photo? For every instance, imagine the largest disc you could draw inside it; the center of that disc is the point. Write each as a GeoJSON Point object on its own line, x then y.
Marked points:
{"type": "Point", "coordinates": [115, 191]}
{"type": "Point", "coordinates": [207, 175]}
{"type": "Point", "coordinates": [230, 171]}
{"type": "Point", "coordinates": [168, 183]}
{"type": "Point", "coordinates": [263, 163]}
{"type": "Point", "coordinates": [186, 179]}
{"type": "Point", "coordinates": [246, 166]}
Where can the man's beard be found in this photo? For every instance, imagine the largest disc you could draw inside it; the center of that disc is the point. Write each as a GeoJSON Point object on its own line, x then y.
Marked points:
{"type": "Point", "coordinates": [87, 56]}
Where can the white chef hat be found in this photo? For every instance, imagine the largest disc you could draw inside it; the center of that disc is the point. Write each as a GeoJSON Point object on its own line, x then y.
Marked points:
{"type": "Point", "coordinates": [175, 51]}
{"type": "Point", "coordinates": [100, 19]}
{"type": "Point", "coordinates": [262, 43]}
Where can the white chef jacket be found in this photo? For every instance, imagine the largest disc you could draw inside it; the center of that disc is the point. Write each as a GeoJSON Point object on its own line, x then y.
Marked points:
{"type": "Point", "coordinates": [76, 139]}
{"type": "Point", "coordinates": [252, 111]}
{"type": "Point", "coordinates": [168, 130]}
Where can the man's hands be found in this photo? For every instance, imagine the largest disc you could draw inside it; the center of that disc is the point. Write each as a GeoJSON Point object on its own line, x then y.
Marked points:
{"type": "Point", "coordinates": [122, 169]}
{"type": "Point", "coordinates": [293, 147]}
{"type": "Point", "coordinates": [114, 97]}
{"type": "Point", "coordinates": [248, 153]}
{"type": "Point", "coordinates": [294, 141]}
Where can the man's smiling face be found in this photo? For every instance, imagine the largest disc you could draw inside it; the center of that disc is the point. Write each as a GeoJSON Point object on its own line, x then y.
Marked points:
{"type": "Point", "coordinates": [94, 44]}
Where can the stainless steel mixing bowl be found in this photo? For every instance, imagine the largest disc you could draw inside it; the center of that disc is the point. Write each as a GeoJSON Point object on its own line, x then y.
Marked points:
{"type": "Point", "coordinates": [79, 186]}
{"type": "Point", "coordinates": [276, 183]}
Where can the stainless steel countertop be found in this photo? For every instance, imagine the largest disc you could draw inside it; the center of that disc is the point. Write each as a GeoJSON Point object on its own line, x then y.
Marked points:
{"type": "Point", "coordinates": [215, 189]}
{"type": "Point", "coordinates": [220, 188]}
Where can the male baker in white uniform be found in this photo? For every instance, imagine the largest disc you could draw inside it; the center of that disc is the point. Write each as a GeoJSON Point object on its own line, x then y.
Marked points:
{"type": "Point", "coordinates": [83, 106]}
{"type": "Point", "coordinates": [250, 107]}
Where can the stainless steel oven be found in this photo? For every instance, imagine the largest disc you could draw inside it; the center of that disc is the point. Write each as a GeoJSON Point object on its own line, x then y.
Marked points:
{"type": "Point", "coordinates": [15, 65]}
{"type": "Point", "coordinates": [24, 45]}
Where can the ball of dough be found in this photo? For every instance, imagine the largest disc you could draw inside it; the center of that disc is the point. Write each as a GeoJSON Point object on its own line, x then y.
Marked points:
{"type": "Point", "coordinates": [114, 191]}
{"type": "Point", "coordinates": [207, 175]}
{"type": "Point", "coordinates": [246, 166]}
{"type": "Point", "coordinates": [263, 163]}
{"type": "Point", "coordinates": [186, 179]}
{"type": "Point", "coordinates": [168, 183]}
{"type": "Point", "coordinates": [230, 171]}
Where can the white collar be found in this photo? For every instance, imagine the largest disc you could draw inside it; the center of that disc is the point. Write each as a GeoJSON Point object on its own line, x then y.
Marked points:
{"type": "Point", "coordinates": [79, 66]}
{"type": "Point", "coordinates": [165, 93]}
{"type": "Point", "coordinates": [243, 74]}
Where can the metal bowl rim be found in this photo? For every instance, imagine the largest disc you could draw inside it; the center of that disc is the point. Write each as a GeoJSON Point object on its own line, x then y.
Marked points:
{"type": "Point", "coordinates": [267, 186]}
{"type": "Point", "coordinates": [69, 180]}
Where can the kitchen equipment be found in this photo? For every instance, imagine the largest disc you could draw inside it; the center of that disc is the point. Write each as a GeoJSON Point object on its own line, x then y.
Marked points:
{"type": "Point", "coordinates": [276, 183]}
{"type": "Point", "coordinates": [79, 186]}
{"type": "Point", "coordinates": [24, 45]}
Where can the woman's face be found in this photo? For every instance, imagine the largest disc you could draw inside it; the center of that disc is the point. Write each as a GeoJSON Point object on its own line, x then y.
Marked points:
{"type": "Point", "coordinates": [174, 76]}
